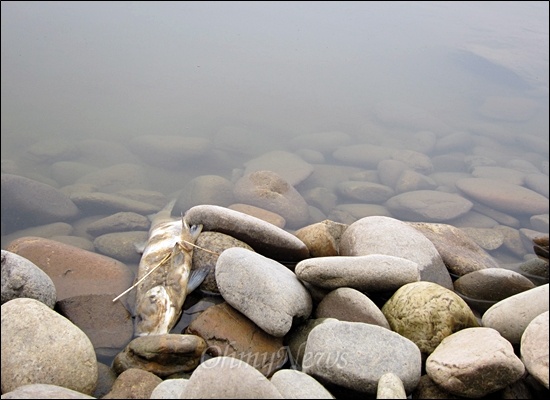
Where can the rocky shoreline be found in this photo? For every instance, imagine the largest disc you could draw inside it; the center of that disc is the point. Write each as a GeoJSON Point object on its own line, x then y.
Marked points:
{"type": "Point", "coordinates": [345, 269]}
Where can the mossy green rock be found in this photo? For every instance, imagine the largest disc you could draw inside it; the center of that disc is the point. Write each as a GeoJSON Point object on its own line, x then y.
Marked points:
{"type": "Point", "coordinates": [426, 313]}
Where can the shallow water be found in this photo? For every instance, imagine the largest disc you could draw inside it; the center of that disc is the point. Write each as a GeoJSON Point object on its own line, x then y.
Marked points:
{"type": "Point", "coordinates": [253, 77]}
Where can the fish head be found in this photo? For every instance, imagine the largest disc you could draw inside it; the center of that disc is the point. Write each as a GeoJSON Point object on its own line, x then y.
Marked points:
{"type": "Point", "coordinates": [155, 314]}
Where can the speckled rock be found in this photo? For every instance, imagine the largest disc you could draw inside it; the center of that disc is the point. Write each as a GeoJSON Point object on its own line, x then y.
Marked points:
{"type": "Point", "coordinates": [22, 278]}
{"type": "Point", "coordinates": [41, 346]}
{"type": "Point", "coordinates": [426, 313]}
{"type": "Point", "coordinates": [474, 362]}
{"type": "Point", "coordinates": [296, 339]}
{"type": "Point", "coordinates": [227, 377]}
{"type": "Point", "coordinates": [534, 348]}
{"type": "Point", "coordinates": [323, 238]}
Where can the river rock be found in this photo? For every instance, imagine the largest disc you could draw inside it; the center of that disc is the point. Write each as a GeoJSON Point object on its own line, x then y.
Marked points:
{"type": "Point", "coordinates": [22, 278]}
{"type": "Point", "coordinates": [121, 245]}
{"type": "Point", "coordinates": [107, 203]}
{"type": "Point", "coordinates": [264, 290]}
{"type": "Point", "coordinates": [426, 313]}
{"type": "Point", "coordinates": [227, 377]}
{"type": "Point", "coordinates": [460, 254]}
{"type": "Point", "coordinates": [503, 196]}
{"type": "Point", "coordinates": [205, 189]}
{"type": "Point", "coordinates": [215, 243]}
{"type": "Point", "coordinates": [263, 237]}
{"type": "Point", "coordinates": [511, 316]}
{"type": "Point", "coordinates": [116, 177]}
{"type": "Point", "coordinates": [133, 383]}
{"type": "Point", "coordinates": [323, 238]}
{"type": "Point", "coordinates": [74, 271]}
{"type": "Point", "coordinates": [108, 325]}
{"type": "Point", "coordinates": [389, 236]}
{"type": "Point", "coordinates": [293, 384]}
{"type": "Point", "coordinates": [258, 212]}
{"type": "Point", "coordinates": [324, 142]}
{"type": "Point", "coordinates": [44, 391]}
{"type": "Point", "coordinates": [268, 190]}
{"type": "Point", "coordinates": [26, 202]}
{"type": "Point", "coordinates": [162, 355]}
{"type": "Point", "coordinates": [229, 333]}
{"type": "Point", "coordinates": [367, 192]}
{"type": "Point", "coordinates": [354, 355]}
{"type": "Point", "coordinates": [474, 362]}
{"type": "Point", "coordinates": [41, 346]}
{"type": "Point", "coordinates": [428, 206]}
{"type": "Point", "coordinates": [370, 273]}
{"type": "Point", "coordinates": [347, 304]}
{"type": "Point", "coordinates": [534, 348]}
{"type": "Point", "coordinates": [390, 387]}
{"type": "Point", "coordinates": [119, 222]}
{"type": "Point", "coordinates": [290, 167]}
{"type": "Point", "coordinates": [492, 284]}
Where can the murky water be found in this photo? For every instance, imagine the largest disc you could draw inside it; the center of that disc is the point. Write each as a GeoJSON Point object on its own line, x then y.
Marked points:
{"type": "Point", "coordinates": [253, 78]}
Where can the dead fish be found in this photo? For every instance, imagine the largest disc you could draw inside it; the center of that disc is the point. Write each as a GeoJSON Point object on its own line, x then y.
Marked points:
{"type": "Point", "coordinates": [169, 252]}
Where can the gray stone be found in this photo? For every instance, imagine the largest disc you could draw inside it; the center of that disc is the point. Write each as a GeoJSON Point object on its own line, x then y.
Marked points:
{"type": "Point", "coordinates": [119, 222]}
{"type": "Point", "coordinates": [263, 237]}
{"type": "Point", "coordinates": [26, 202]}
{"type": "Point", "coordinates": [503, 196]}
{"type": "Point", "coordinates": [107, 203]}
{"type": "Point", "coordinates": [347, 304]}
{"type": "Point", "coordinates": [41, 346]}
{"type": "Point", "coordinates": [121, 245]}
{"type": "Point", "coordinates": [227, 377]}
{"type": "Point", "coordinates": [22, 278]}
{"type": "Point", "coordinates": [460, 254]}
{"type": "Point", "coordinates": [169, 389]}
{"type": "Point", "coordinates": [367, 192]}
{"type": "Point", "coordinates": [334, 354]}
{"type": "Point", "coordinates": [390, 387]}
{"type": "Point", "coordinates": [511, 316]}
{"type": "Point", "coordinates": [474, 362]}
{"type": "Point", "coordinates": [428, 206]}
{"type": "Point", "coordinates": [264, 290]}
{"type": "Point", "coordinates": [534, 348]}
{"type": "Point", "coordinates": [293, 384]}
{"type": "Point", "coordinates": [370, 273]}
{"type": "Point", "coordinates": [205, 189]}
{"type": "Point", "coordinates": [268, 190]}
{"type": "Point", "coordinates": [385, 235]}
{"type": "Point", "coordinates": [133, 383]}
{"type": "Point", "coordinates": [290, 167]}
{"type": "Point", "coordinates": [44, 391]}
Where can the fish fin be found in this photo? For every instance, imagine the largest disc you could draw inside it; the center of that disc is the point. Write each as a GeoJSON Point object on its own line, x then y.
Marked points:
{"type": "Point", "coordinates": [196, 277]}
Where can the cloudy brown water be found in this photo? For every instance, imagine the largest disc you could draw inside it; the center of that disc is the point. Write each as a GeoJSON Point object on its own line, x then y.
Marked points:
{"type": "Point", "coordinates": [257, 77]}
